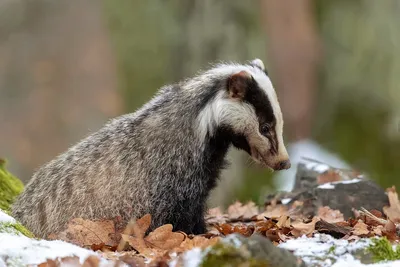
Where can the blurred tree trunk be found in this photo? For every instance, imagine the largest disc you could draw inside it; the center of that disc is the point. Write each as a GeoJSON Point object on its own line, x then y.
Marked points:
{"type": "Point", "coordinates": [57, 78]}
{"type": "Point", "coordinates": [294, 52]}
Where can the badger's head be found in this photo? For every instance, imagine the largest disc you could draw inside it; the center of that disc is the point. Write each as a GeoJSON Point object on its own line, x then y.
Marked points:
{"type": "Point", "coordinates": [246, 104]}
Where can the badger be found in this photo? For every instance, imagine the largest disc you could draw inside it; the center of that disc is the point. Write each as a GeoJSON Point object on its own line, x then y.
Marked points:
{"type": "Point", "coordinates": [163, 159]}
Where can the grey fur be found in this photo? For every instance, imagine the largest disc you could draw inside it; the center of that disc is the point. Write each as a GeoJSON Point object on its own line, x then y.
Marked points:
{"type": "Point", "coordinates": [151, 161]}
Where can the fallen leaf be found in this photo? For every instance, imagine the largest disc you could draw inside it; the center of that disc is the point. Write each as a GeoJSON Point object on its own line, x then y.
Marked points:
{"type": "Point", "coordinates": [83, 232]}
{"type": "Point", "coordinates": [284, 221]}
{"type": "Point", "coordinates": [243, 229]}
{"type": "Point", "coordinates": [378, 230]}
{"type": "Point", "coordinates": [360, 229]}
{"type": "Point", "coordinates": [262, 226]}
{"type": "Point", "coordinates": [300, 228]}
{"type": "Point", "coordinates": [272, 234]}
{"type": "Point", "coordinates": [197, 241]}
{"type": "Point", "coordinates": [389, 230]}
{"type": "Point", "coordinates": [273, 212]}
{"type": "Point", "coordinates": [164, 238]}
{"type": "Point", "coordinates": [393, 211]}
{"type": "Point", "coordinates": [334, 230]}
{"type": "Point", "coordinates": [225, 228]}
{"type": "Point", "coordinates": [329, 215]}
{"type": "Point", "coordinates": [215, 215]}
{"type": "Point", "coordinates": [239, 211]}
{"type": "Point", "coordinates": [137, 243]}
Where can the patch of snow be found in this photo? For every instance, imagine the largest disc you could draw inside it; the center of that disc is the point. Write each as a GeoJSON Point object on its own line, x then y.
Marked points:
{"type": "Point", "coordinates": [193, 257]}
{"type": "Point", "coordinates": [5, 218]}
{"type": "Point", "coordinates": [233, 240]}
{"type": "Point", "coordinates": [286, 200]}
{"type": "Point", "coordinates": [332, 184]}
{"type": "Point", "coordinates": [352, 181]}
{"type": "Point", "coordinates": [324, 250]}
{"type": "Point", "coordinates": [326, 186]}
{"type": "Point", "coordinates": [318, 167]}
{"type": "Point", "coordinates": [31, 251]}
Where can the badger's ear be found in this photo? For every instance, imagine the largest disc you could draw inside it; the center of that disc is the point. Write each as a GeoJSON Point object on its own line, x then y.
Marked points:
{"type": "Point", "coordinates": [238, 84]}
{"type": "Point", "coordinates": [258, 63]}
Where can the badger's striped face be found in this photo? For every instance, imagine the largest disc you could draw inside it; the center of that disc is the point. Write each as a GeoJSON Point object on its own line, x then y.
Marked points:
{"type": "Point", "coordinates": [249, 108]}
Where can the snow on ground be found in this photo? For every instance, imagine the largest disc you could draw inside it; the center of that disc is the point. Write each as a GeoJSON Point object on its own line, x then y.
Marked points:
{"type": "Point", "coordinates": [19, 248]}
{"type": "Point", "coordinates": [324, 250]}
{"type": "Point", "coordinates": [331, 185]}
{"type": "Point", "coordinates": [5, 218]}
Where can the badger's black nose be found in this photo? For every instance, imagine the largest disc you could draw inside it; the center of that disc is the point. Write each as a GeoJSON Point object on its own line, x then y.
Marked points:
{"type": "Point", "coordinates": [283, 165]}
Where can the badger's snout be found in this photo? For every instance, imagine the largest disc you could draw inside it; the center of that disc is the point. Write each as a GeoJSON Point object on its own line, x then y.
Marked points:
{"type": "Point", "coordinates": [283, 165]}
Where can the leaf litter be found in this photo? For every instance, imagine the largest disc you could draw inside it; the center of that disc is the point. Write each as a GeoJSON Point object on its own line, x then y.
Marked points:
{"type": "Point", "coordinates": [282, 224]}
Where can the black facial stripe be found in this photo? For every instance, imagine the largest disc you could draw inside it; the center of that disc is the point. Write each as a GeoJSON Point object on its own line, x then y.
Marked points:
{"type": "Point", "coordinates": [273, 141]}
{"type": "Point", "coordinates": [265, 114]}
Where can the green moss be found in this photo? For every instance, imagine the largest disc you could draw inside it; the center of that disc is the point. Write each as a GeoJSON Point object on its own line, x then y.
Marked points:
{"type": "Point", "coordinates": [15, 228]}
{"type": "Point", "coordinates": [382, 250]}
{"type": "Point", "coordinates": [226, 255]}
{"type": "Point", "coordinates": [10, 187]}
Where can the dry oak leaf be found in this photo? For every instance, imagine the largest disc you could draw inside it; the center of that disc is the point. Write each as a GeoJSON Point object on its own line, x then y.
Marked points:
{"type": "Point", "coordinates": [392, 212]}
{"type": "Point", "coordinates": [275, 212]}
{"type": "Point", "coordinates": [300, 228]}
{"type": "Point", "coordinates": [197, 241]}
{"type": "Point", "coordinates": [83, 232]}
{"type": "Point", "coordinates": [360, 229]}
{"type": "Point", "coordinates": [239, 211]}
{"type": "Point", "coordinates": [164, 238]}
{"type": "Point", "coordinates": [377, 230]}
{"type": "Point", "coordinates": [91, 261]}
{"type": "Point", "coordinates": [284, 221]}
{"type": "Point", "coordinates": [329, 215]}
{"type": "Point", "coordinates": [157, 242]}
{"type": "Point", "coordinates": [215, 215]}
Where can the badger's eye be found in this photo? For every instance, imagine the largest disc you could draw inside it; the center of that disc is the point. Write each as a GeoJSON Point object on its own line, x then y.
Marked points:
{"type": "Point", "coordinates": [264, 129]}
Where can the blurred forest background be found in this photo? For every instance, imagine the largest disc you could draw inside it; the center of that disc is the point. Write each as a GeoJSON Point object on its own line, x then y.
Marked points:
{"type": "Point", "coordinates": [67, 66]}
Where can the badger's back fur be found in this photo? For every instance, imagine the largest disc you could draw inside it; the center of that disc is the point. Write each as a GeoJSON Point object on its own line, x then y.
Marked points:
{"type": "Point", "coordinates": [163, 159]}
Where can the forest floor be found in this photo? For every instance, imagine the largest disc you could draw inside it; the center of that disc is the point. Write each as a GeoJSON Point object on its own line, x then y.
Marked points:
{"type": "Point", "coordinates": [276, 234]}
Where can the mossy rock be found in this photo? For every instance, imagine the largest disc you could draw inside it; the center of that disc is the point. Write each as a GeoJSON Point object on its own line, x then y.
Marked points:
{"type": "Point", "coordinates": [10, 187]}
{"type": "Point", "coordinates": [254, 251]}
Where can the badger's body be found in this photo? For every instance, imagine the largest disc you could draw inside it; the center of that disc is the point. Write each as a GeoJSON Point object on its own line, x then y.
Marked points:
{"type": "Point", "coordinates": [163, 159]}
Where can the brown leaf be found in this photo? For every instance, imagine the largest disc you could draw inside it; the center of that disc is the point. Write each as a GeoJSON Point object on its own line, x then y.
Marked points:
{"type": "Point", "coordinates": [334, 230]}
{"type": "Point", "coordinates": [273, 212]}
{"type": "Point", "coordinates": [300, 228]}
{"type": "Point", "coordinates": [272, 234]}
{"type": "Point", "coordinates": [137, 243]}
{"type": "Point", "coordinates": [224, 228]}
{"type": "Point", "coordinates": [137, 229]}
{"type": "Point", "coordinates": [84, 232]}
{"type": "Point", "coordinates": [389, 230]}
{"type": "Point", "coordinates": [393, 211]}
{"type": "Point", "coordinates": [377, 230]}
{"type": "Point", "coordinates": [197, 241]}
{"type": "Point", "coordinates": [243, 229]}
{"type": "Point", "coordinates": [91, 261]}
{"type": "Point", "coordinates": [164, 238]}
{"type": "Point", "coordinates": [239, 211]}
{"type": "Point", "coordinates": [284, 221]}
{"type": "Point", "coordinates": [263, 226]}
{"type": "Point", "coordinates": [360, 229]}
{"type": "Point", "coordinates": [329, 215]}
{"type": "Point", "coordinates": [215, 215]}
